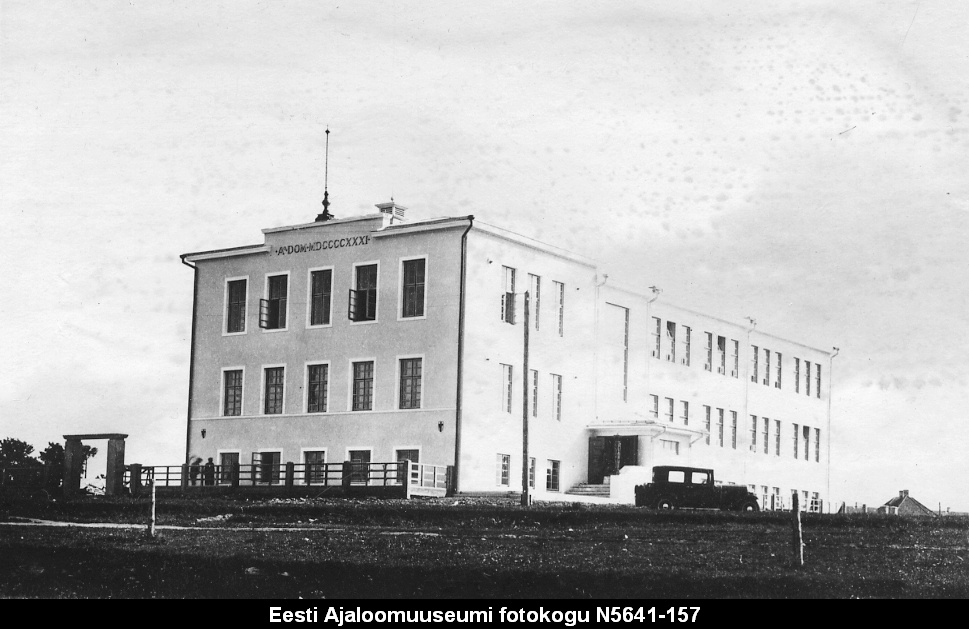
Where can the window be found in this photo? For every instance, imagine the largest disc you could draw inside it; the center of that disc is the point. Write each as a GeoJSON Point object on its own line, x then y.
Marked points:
{"type": "Point", "coordinates": [362, 394]}
{"type": "Point", "coordinates": [755, 353]}
{"type": "Point", "coordinates": [409, 454]}
{"type": "Point", "coordinates": [560, 291]}
{"type": "Point", "coordinates": [721, 354]}
{"type": "Point", "coordinates": [531, 472]}
{"type": "Point", "coordinates": [317, 381]}
{"type": "Point", "coordinates": [806, 442]}
{"type": "Point", "coordinates": [321, 296]}
{"type": "Point", "coordinates": [733, 429]}
{"type": "Point", "coordinates": [557, 397]}
{"type": "Point", "coordinates": [815, 502]}
{"type": "Point", "coordinates": [412, 289]}
{"type": "Point", "coordinates": [534, 400]}
{"type": "Point", "coordinates": [676, 476]}
{"type": "Point", "coordinates": [700, 478]}
{"type": "Point", "coordinates": [669, 445]}
{"type": "Point", "coordinates": [766, 367]}
{"type": "Point", "coordinates": [778, 373]}
{"type": "Point", "coordinates": [685, 340]}
{"type": "Point", "coordinates": [506, 375]}
{"type": "Point", "coordinates": [685, 412]}
{"type": "Point", "coordinates": [777, 437]}
{"type": "Point", "coordinates": [657, 326]}
{"type": "Point", "coordinates": [817, 380]}
{"type": "Point", "coordinates": [232, 392]}
{"type": "Point", "coordinates": [654, 406]}
{"type": "Point", "coordinates": [274, 387]}
{"type": "Point", "coordinates": [778, 503]}
{"type": "Point", "coordinates": [508, 295]}
{"type": "Point", "coordinates": [753, 433]}
{"type": "Point", "coordinates": [706, 421]}
{"type": "Point", "coordinates": [709, 365]}
{"type": "Point", "coordinates": [735, 358]}
{"type": "Point", "coordinates": [817, 445]}
{"type": "Point", "coordinates": [552, 476]}
{"type": "Point", "coordinates": [314, 470]}
{"type": "Point", "coordinates": [766, 434]}
{"type": "Point", "coordinates": [359, 466]}
{"type": "Point", "coordinates": [410, 382]}
{"type": "Point", "coordinates": [765, 495]}
{"type": "Point", "coordinates": [535, 290]}
{"type": "Point", "coordinates": [235, 310]}
{"type": "Point", "coordinates": [671, 340]}
{"type": "Point", "coordinates": [228, 464]}
{"type": "Point", "coordinates": [797, 375]}
{"type": "Point", "coordinates": [720, 426]}
{"type": "Point", "coordinates": [266, 466]}
{"type": "Point", "coordinates": [807, 377]}
{"type": "Point", "coordinates": [797, 437]}
{"type": "Point", "coordinates": [669, 410]}
{"type": "Point", "coordinates": [272, 311]}
{"type": "Point", "coordinates": [503, 470]}
{"type": "Point", "coordinates": [362, 304]}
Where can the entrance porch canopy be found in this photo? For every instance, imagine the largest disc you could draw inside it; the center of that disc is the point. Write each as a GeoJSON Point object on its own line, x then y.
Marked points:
{"type": "Point", "coordinates": [644, 427]}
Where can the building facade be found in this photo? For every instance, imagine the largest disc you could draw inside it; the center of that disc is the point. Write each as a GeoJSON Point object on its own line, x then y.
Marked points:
{"type": "Point", "coordinates": [377, 339]}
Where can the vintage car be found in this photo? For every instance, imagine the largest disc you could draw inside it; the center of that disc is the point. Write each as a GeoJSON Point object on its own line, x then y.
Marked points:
{"type": "Point", "coordinates": [676, 487]}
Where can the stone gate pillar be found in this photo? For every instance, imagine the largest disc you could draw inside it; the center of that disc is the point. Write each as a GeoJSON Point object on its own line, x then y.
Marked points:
{"type": "Point", "coordinates": [73, 461]}
{"type": "Point", "coordinates": [114, 474]}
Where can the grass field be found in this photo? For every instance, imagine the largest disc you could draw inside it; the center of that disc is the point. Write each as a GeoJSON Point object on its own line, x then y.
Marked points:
{"type": "Point", "coordinates": [468, 548]}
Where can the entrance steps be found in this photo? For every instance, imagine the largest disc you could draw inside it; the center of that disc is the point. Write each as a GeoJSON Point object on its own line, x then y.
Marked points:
{"type": "Point", "coordinates": [588, 489]}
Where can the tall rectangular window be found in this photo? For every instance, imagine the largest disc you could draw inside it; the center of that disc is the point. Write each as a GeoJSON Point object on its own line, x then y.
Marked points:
{"type": "Point", "coordinates": [315, 466]}
{"type": "Point", "coordinates": [232, 393]}
{"type": "Point", "coordinates": [779, 367]}
{"type": "Point", "coordinates": [733, 429]}
{"type": "Point", "coordinates": [766, 367]}
{"type": "Point", "coordinates": [560, 291]}
{"type": "Point", "coordinates": [557, 397]}
{"type": "Point", "coordinates": [709, 365]}
{"type": "Point", "coordinates": [317, 377]}
{"type": "Point", "coordinates": [362, 396]}
{"type": "Point", "coordinates": [657, 326]}
{"type": "Point", "coordinates": [272, 310]}
{"type": "Point", "coordinates": [797, 375]}
{"type": "Point", "coordinates": [275, 385]}
{"type": "Point", "coordinates": [508, 294]}
{"type": "Point", "coordinates": [755, 355]}
{"type": "Point", "coordinates": [720, 426]}
{"type": "Point", "coordinates": [685, 348]}
{"type": "Point", "coordinates": [235, 316]}
{"type": "Point", "coordinates": [735, 358]}
{"type": "Point", "coordinates": [531, 472]}
{"type": "Point", "coordinates": [412, 290]}
{"type": "Point", "coordinates": [807, 377]}
{"type": "Point", "coordinates": [535, 292]}
{"type": "Point", "coordinates": [671, 341]}
{"type": "Point", "coordinates": [817, 380]}
{"type": "Point", "coordinates": [721, 354]}
{"type": "Point", "coordinates": [506, 375]}
{"type": "Point", "coordinates": [797, 437]}
{"type": "Point", "coordinates": [362, 303]}
{"type": "Point", "coordinates": [552, 475]}
{"type": "Point", "coordinates": [766, 434]}
{"type": "Point", "coordinates": [668, 407]}
{"type": "Point", "coordinates": [706, 421]}
{"type": "Point", "coordinates": [654, 406]}
{"type": "Point", "coordinates": [685, 412]}
{"type": "Point", "coordinates": [806, 444]}
{"type": "Point", "coordinates": [503, 470]}
{"type": "Point", "coordinates": [321, 296]}
{"type": "Point", "coordinates": [817, 445]}
{"type": "Point", "coordinates": [410, 382]}
{"type": "Point", "coordinates": [534, 378]}
{"type": "Point", "coordinates": [777, 437]}
{"type": "Point", "coordinates": [753, 433]}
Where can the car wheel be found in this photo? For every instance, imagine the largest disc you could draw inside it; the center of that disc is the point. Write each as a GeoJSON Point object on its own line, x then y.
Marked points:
{"type": "Point", "coordinates": [665, 504]}
{"type": "Point", "coordinates": [750, 505]}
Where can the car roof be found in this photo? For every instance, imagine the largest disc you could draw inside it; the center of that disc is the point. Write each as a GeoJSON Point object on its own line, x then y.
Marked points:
{"type": "Point", "coordinates": [666, 468]}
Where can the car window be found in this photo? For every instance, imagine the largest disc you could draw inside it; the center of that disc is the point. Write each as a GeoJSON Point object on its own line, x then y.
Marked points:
{"type": "Point", "coordinates": [700, 478]}
{"type": "Point", "coordinates": [677, 476]}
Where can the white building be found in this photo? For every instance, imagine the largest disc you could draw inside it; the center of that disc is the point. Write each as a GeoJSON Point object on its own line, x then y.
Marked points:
{"type": "Point", "coordinates": [376, 339]}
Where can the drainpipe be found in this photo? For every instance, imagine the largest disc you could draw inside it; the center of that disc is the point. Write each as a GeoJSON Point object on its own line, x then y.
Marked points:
{"type": "Point", "coordinates": [649, 302]}
{"type": "Point", "coordinates": [753, 324]}
{"type": "Point", "coordinates": [830, 391]}
{"type": "Point", "coordinates": [191, 360]}
{"type": "Point", "coordinates": [595, 343]}
{"type": "Point", "coordinates": [458, 398]}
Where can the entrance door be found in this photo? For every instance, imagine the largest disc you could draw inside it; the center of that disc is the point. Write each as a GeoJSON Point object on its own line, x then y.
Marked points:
{"type": "Point", "coordinates": [406, 455]}
{"type": "Point", "coordinates": [228, 461]}
{"type": "Point", "coordinates": [266, 467]}
{"type": "Point", "coordinates": [360, 468]}
{"type": "Point", "coordinates": [608, 455]}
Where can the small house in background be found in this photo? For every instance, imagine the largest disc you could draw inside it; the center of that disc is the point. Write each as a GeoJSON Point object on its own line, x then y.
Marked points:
{"type": "Point", "coordinates": [904, 504]}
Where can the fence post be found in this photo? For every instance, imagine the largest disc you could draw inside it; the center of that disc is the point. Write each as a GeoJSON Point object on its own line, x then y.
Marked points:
{"type": "Point", "coordinates": [134, 485]}
{"type": "Point", "coordinates": [234, 475]}
{"type": "Point", "coordinates": [797, 541]}
{"type": "Point", "coordinates": [151, 523]}
{"type": "Point", "coordinates": [184, 477]}
{"type": "Point", "coordinates": [290, 474]}
{"type": "Point", "coordinates": [347, 470]}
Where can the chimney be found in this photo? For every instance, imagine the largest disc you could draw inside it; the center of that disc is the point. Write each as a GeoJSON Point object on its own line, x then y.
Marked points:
{"type": "Point", "coordinates": [903, 493]}
{"type": "Point", "coordinates": [392, 212]}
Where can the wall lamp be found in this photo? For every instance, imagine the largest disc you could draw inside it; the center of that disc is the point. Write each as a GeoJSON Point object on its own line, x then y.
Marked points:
{"type": "Point", "coordinates": [440, 426]}
{"type": "Point", "coordinates": [203, 433]}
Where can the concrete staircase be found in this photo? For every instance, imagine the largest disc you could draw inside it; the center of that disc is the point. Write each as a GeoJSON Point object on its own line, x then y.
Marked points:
{"type": "Point", "coordinates": [586, 489]}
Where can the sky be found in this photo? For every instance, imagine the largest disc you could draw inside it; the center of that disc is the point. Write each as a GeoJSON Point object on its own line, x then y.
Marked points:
{"type": "Point", "coordinates": [801, 163]}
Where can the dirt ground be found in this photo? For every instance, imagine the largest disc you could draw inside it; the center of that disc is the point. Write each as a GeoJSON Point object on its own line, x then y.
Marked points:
{"type": "Point", "coordinates": [466, 548]}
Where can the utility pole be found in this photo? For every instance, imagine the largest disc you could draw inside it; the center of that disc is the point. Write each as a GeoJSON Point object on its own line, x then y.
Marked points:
{"type": "Point", "coordinates": [526, 495]}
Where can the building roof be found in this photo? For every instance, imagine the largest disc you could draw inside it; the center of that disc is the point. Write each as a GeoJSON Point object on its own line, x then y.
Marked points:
{"type": "Point", "coordinates": [904, 499]}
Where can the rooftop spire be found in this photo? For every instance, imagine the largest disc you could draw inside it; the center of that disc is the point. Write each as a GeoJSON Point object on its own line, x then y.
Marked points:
{"type": "Point", "coordinates": [325, 215]}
